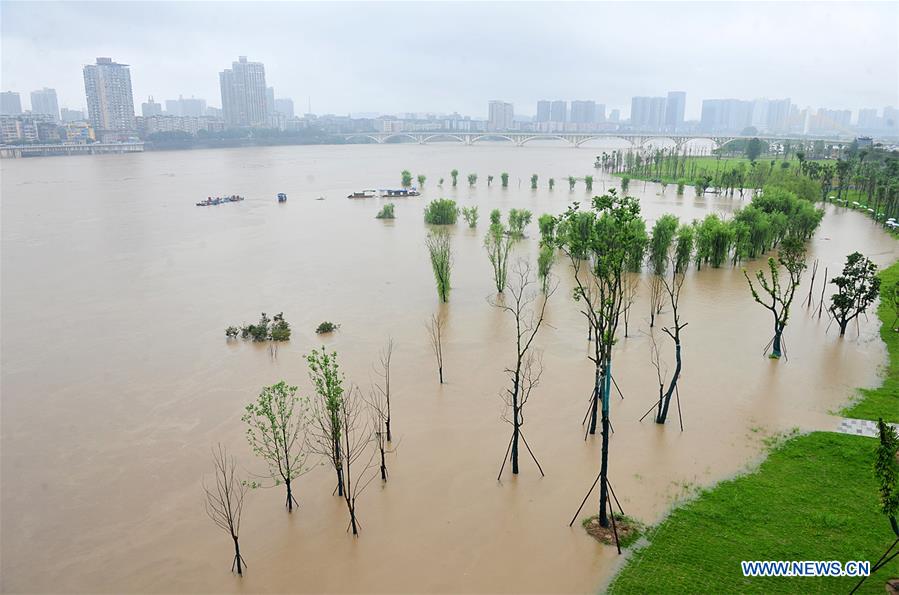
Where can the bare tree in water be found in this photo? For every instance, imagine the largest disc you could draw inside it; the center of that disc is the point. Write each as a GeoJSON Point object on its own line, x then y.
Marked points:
{"type": "Point", "coordinates": [277, 434]}
{"type": "Point", "coordinates": [224, 501]}
{"type": "Point", "coordinates": [383, 386]}
{"type": "Point", "coordinates": [379, 409]}
{"type": "Point", "coordinates": [435, 327]}
{"type": "Point", "coordinates": [359, 468]}
{"type": "Point", "coordinates": [519, 301]}
{"type": "Point", "coordinates": [778, 297]}
{"type": "Point", "coordinates": [327, 426]}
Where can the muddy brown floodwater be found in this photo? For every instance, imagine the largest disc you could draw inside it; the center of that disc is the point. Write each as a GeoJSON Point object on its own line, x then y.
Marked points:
{"type": "Point", "coordinates": [117, 378]}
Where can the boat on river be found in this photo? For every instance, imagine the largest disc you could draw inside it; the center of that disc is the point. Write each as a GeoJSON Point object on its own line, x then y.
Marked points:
{"type": "Point", "coordinates": [219, 200]}
{"type": "Point", "coordinates": [282, 197]}
{"type": "Point", "coordinates": [386, 193]}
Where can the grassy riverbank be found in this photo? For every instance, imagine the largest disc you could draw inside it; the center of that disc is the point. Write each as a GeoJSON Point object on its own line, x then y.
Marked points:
{"type": "Point", "coordinates": [883, 401]}
{"type": "Point", "coordinates": [696, 167]}
{"type": "Point", "coordinates": [813, 498]}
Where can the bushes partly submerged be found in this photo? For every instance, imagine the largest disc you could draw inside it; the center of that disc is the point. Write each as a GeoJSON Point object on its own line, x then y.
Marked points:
{"type": "Point", "coordinates": [442, 211]}
{"type": "Point", "coordinates": [267, 329]}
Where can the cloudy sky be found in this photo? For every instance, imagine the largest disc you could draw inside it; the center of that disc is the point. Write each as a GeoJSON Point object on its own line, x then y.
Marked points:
{"type": "Point", "coordinates": [444, 56]}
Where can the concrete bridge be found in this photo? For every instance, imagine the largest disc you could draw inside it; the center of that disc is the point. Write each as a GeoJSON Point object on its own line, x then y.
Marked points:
{"type": "Point", "coordinates": [519, 139]}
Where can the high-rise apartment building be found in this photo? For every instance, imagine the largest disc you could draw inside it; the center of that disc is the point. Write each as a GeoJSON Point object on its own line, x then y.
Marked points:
{"type": "Point", "coordinates": [284, 106]}
{"type": "Point", "coordinates": [270, 100]}
{"type": "Point", "coordinates": [675, 106]}
{"type": "Point", "coordinates": [150, 108]}
{"type": "Point", "coordinates": [44, 102]}
{"type": "Point", "coordinates": [110, 104]}
{"type": "Point", "coordinates": [648, 113]}
{"type": "Point", "coordinates": [558, 111]}
{"type": "Point", "coordinates": [543, 110]}
{"type": "Point", "coordinates": [10, 103]}
{"type": "Point", "coordinates": [71, 115]}
{"type": "Point", "coordinates": [778, 117]}
{"type": "Point", "coordinates": [499, 116]}
{"type": "Point", "coordinates": [192, 108]}
{"type": "Point", "coordinates": [725, 115]}
{"type": "Point", "coordinates": [244, 94]}
{"type": "Point", "coordinates": [583, 112]}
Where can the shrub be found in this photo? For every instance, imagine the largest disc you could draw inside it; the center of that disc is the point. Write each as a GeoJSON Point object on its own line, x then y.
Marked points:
{"type": "Point", "coordinates": [267, 329]}
{"type": "Point", "coordinates": [326, 327]}
{"type": "Point", "coordinates": [518, 219]}
{"type": "Point", "coordinates": [231, 332]}
{"type": "Point", "coordinates": [386, 212]}
{"type": "Point", "coordinates": [470, 214]}
{"type": "Point", "coordinates": [442, 211]}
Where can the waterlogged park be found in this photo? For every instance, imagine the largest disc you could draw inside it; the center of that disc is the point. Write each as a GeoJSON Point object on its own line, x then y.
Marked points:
{"type": "Point", "coordinates": [533, 373]}
{"type": "Point", "coordinates": [819, 495]}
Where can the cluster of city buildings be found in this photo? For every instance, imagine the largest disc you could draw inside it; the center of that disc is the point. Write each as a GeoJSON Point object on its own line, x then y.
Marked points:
{"type": "Point", "coordinates": [248, 102]}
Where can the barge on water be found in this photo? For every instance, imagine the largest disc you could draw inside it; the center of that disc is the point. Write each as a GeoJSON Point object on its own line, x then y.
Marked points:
{"type": "Point", "coordinates": [219, 200]}
{"type": "Point", "coordinates": [386, 193]}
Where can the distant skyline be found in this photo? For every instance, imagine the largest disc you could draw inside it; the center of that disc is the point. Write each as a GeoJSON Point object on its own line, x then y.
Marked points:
{"type": "Point", "coordinates": [445, 57]}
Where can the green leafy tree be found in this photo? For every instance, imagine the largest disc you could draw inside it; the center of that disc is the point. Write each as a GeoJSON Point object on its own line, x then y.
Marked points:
{"type": "Point", "coordinates": [588, 182]}
{"type": "Point", "coordinates": [571, 182]}
{"type": "Point", "coordinates": [545, 259]}
{"type": "Point", "coordinates": [276, 432]}
{"type": "Point", "coordinates": [439, 248]}
{"type": "Point", "coordinates": [598, 242]}
{"type": "Point", "coordinates": [421, 180]}
{"type": "Point", "coordinates": [386, 212]}
{"type": "Point", "coordinates": [442, 211]}
{"type": "Point", "coordinates": [504, 179]}
{"type": "Point", "coordinates": [778, 297]}
{"type": "Point", "coordinates": [407, 178]}
{"type": "Point", "coordinates": [857, 288]}
{"type": "Point", "coordinates": [547, 225]}
{"type": "Point", "coordinates": [552, 183]}
{"type": "Point", "coordinates": [534, 181]}
{"type": "Point", "coordinates": [327, 425]}
{"type": "Point", "coordinates": [470, 214]}
{"type": "Point", "coordinates": [886, 469]}
{"type": "Point", "coordinates": [625, 183]}
{"type": "Point", "coordinates": [498, 244]}
{"type": "Point", "coordinates": [753, 149]}
{"type": "Point", "coordinates": [455, 176]}
{"type": "Point", "coordinates": [472, 179]}
{"type": "Point", "coordinates": [518, 220]}
{"type": "Point", "coordinates": [663, 233]}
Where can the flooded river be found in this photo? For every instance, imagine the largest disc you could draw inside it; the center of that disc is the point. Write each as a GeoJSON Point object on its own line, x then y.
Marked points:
{"type": "Point", "coordinates": [117, 378]}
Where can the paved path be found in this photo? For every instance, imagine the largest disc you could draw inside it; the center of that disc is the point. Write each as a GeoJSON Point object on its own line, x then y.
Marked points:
{"type": "Point", "coordinates": [860, 427]}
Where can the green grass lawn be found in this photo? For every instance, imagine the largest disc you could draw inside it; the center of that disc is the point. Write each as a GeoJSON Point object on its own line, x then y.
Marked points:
{"type": "Point", "coordinates": [884, 400]}
{"type": "Point", "coordinates": [699, 166]}
{"type": "Point", "coordinates": [813, 498]}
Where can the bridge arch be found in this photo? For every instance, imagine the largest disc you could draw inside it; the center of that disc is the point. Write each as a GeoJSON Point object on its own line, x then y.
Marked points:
{"type": "Point", "coordinates": [377, 139]}
{"type": "Point", "coordinates": [480, 137]}
{"type": "Point", "coordinates": [603, 137]}
{"type": "Point", "coordinates": [443, 135]}
{"type": "Point", "coordinates": [546, 137]}
{"type": "Point", "coordinates": [384, 139]}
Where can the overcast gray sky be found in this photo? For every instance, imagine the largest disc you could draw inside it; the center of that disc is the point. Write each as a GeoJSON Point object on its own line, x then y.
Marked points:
{"type": "Point", "coordinates": [444, 57]}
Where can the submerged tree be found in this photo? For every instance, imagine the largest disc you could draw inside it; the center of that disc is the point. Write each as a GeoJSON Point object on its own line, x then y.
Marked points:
{"type": "Point", "coordinates": [489, 180]}
{"type": "Point", "coordinates": [379, 410]}
{"type": "Point", "coordinates": [441, 253]}
{"type": "Point", "coordinates": [455, 176]}
{"type": "Point", "coordinates": [435, 332]}
{"type": "Point", "coordinates": [598, 243]}
{"type": "Point", "coordinates": [498, 245]}
{"type": "Point", "coordinates": [518, 220]}
{"type": "Point", "coordinates": [663, 233]}
{"type": "Point", "coordinates": [519, 301]}
{"type": "Point", "coordinates": [545, 259]}
{"type": "Point", "coordinates": [358, 460]}
{"type": "Point", "coordinates": [552, 183]}
{"type": "Point", "coordinates": [224, 501]}
{"type": "Point", "coordinates": [504, 178]}
{"type": "Point", "coordinates": [472, 179]}
{"type": "Point", "coordinates": [406, 178]}
{"type": "Point", "coordinates": [588, 182]}
{"type": "Point", "coordinates": [421, 180]}
{"type": "Point", "coordinates": [857, 288]}
{"type": "Point", "coordinates": [383, 386]}
{"type": "Point", "coordinates": [533, 181]}
{"type": "Point", "coordinates": [571, 182]}
{"type": "Point", "coordinates": [778, 297]}
{"type": "Point", "coordinates": [673, 286]}
{"type": "Point", "coordinates": [327, 426]}
{"type": "Point", "coordinates": [276, 433]}
{"type": "Point", "coordinates": [470, 214]}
